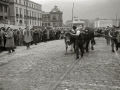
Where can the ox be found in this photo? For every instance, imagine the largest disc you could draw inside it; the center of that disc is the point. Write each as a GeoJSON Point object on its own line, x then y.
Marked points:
{"type": "Point", "coordinates": [69, 40]}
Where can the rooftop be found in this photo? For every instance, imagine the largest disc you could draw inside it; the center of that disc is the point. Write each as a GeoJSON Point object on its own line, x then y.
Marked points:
{"type": "Point", "coordinates": [55, 9]}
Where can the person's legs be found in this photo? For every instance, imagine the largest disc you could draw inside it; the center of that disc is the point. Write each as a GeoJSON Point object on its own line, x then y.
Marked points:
{"type": "Point", "coordinates": [81, 49]}
{"type": "Point", "coordinates": [116, 44]}
{"type": "Point", "coordinates": [77, 51]}
{"type": "Point", "coordinates": [112, 45]}
{"type": "Point", "coordinates": [12, 49]}
{"type": "Point", "coordinates": [9, 50]}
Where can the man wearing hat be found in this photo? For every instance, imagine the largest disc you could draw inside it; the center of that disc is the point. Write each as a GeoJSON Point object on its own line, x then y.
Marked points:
{"type": "Point", "coordinates": [79, 41]}
{"type": "Point", "coordinates": [113, 34]}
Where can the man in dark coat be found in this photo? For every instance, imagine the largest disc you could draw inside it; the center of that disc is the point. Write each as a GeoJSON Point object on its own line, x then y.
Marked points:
{"type": "Point", "coordinates": [114, 34]}
{"type": "Point", "coordinates": [79, 41]}
{"type": "Point", "coordinates": [45, 35]}
{"type": "Point", "coordinates": [35, 36]}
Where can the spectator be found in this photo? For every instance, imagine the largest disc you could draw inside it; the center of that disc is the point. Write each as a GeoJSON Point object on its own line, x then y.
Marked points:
{"type": "Point", "coordinates": [10, 40]}
{"type": "Point", "coordinates": [27, 37]}
{"type": "Point", "coordinates": [45, 35]}
{"type": "Point", "coordinates": [114, 34]}
{"type": "Point", "coordinates": [1, 40]}
{"type": "Point", "coordinates": [35, 36]}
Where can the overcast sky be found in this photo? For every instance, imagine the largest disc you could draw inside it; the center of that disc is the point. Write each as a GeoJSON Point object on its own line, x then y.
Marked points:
{"type": "Point", "coordinates": [84, 9]}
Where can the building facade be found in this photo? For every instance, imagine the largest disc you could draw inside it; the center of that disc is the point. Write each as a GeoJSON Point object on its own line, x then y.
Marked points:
{"type": "Point", "coordinates": [25, 12]}
{"type": "Point", "coordinates": [4, 11]}
{"type": "Point", "coordinates": [45, 19]}
{"type": "Point", "coordinates": [53, 18]}
{"type": "Point", "coordinates": [100, 23]}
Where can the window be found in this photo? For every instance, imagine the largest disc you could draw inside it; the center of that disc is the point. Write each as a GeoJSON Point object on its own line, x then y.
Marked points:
{"type": "Point", "coordinates": [1, 9]}
{"type": "Point", "coordinates": [25, 3]}
{"type": "Point", "coordinates": [5, 8]}
{"type": "Point", "coordinates": [20, 1]}
{"type": "Point", "coordinates": [29, 4]}
{"type": "Point", "coordinates": [20, 21]}
{"type": "Point", "coordinates": [45, 24]}
{"type": "Point", "coordinates": [32, 13]}
{"type": "Point", "coordinates": [54, 24]}
{"type": "Point", "coordinates": [54, 18]}
{"type": "Point", "coordinates": [35, 14]}
{"type": "Point", "coordinates": [40, 15]}
{"type": "Point", "coordinates": [34, 6]}
{"type": "Point", "coordinates": [16, 10]}
{"type": "Point", "coordinates": [20, 11]}
{"type": "Point", "coordinates": [39, 7]}
{"type": "Point", "coordinates": [48, 24]}
{"type": "Point", "coordinates": [24, 11]}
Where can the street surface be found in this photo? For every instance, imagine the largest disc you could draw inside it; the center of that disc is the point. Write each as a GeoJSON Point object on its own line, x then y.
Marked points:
{"type": "Point", "coordinates": [46, 67]}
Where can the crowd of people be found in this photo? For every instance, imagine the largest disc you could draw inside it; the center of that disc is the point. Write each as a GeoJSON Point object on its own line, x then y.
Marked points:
{"type": "Point", "coordinates": [112, 35]}
{"type": "Point", "coordinates": [11, 38]}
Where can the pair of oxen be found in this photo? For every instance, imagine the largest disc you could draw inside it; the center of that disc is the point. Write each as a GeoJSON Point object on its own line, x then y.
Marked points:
{"type": "Point", "coordinates": [72, 40]}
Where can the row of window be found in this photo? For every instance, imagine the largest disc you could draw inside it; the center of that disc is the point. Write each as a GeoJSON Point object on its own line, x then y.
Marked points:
{"type": "Point", "coordinates": [3, 8]}
{"type": "Point", "coordinates": [48, 24]}
{"type": "Point", "coordinates": [30, 22]}
{"type": "Point", "coordinates": [29, 4]}
{"type": "Point", "coordinates": [4, 0]}
{"type": "Point", "coordinates": [29, 12]}
{"type": "Point", "coordinates": [45, 24]}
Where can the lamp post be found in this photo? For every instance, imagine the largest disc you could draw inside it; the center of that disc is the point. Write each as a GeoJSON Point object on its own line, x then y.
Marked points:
{"type": "Point", "coordinates": [72, 15]}
{"type": "Point", "coordinates": [26, 14]}
{"type": "Point", "coordinates": [116, 19]}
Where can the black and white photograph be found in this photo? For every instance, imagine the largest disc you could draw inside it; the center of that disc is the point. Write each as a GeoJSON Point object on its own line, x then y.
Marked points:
{"type": "Point", "coordinates": [59, 44]}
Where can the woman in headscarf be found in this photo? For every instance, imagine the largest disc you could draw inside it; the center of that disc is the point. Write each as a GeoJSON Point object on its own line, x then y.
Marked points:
{"type": "Point", "coordinates": [27, 37]}
{"type": "Point", "coordinates": [10, 40]}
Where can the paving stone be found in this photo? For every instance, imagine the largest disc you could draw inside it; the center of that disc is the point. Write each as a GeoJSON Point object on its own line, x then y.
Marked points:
{"type": "Point", "coordinates": [42, 66]}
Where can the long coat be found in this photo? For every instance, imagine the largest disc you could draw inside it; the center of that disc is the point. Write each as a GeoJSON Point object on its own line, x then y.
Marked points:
{"type": "Point", "coordinates": [48, 34]}
{"type": "Point", "coordinates": [27, 36]}
{"type": "Point", "coordinates": [10, 39]}
{"type": "Point", "coordinates": [1, 38]}
{"type": "Point", "coordinates": [118, 38]}
{"type": "Point", "coordinates": [35, 35]}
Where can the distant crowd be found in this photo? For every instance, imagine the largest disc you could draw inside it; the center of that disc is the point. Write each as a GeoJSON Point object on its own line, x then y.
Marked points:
{"type": "Point", "coordinates": [11, 38]}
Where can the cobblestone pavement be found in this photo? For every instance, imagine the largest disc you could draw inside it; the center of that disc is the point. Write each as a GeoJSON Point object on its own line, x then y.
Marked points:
{"type": "Point", "coordinates": [47, 67]}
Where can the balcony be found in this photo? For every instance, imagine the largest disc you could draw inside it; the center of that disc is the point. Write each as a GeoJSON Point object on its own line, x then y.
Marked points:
{"type": "Point", "coordinates": [20, 16]}
{"type": "Point", "coordinates": [17, 15]}
{"type": "Point", "coordinates": [6, 17]}
{"type": "Point", "coordinates": [1, 17]}
{"type": "Point", "coordinates": [39, 19]}
{"type": "Point", "coordinates": [24, 16]}
{"type": "Point", "coordinates": [32, 17]}
{"type": "Point", "coordinates": [28, 17]}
